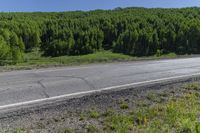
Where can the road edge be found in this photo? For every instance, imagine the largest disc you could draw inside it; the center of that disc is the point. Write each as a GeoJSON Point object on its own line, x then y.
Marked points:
{"type": "Point", "coordinates": [46, 102]}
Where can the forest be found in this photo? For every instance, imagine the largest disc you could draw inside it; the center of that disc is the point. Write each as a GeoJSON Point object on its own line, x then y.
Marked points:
{"type": "Point", "coordinates": [132, 31]}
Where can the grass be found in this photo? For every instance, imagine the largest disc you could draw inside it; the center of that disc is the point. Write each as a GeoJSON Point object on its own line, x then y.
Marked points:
{"type": "Point", "coordinates": [176, 114]}
{"type": "Point", "coordinates": [123, 104]}
{"type": "Point", "coordinates": [35, 60]}
{"type": "Point", "coordinates": [94, 114]}
{"type": "Point", "coordinates": [92, 129]}
{"type": "Point", "coordinates": [69, 131]}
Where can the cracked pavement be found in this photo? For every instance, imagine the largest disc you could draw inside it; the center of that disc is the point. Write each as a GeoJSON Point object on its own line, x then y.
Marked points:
{"type": "Point", "coordinates": [27, 85]}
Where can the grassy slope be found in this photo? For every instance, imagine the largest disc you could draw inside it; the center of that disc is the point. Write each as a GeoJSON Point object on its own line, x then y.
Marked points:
{"type": "Point", "coordinates": [35, 60]}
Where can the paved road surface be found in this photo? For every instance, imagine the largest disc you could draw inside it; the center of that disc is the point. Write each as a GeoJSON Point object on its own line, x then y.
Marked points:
{"type": "Point", "coordinates": [22, 86]}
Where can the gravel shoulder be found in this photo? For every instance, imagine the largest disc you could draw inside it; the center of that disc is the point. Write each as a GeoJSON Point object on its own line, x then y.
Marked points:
{"type": "Point", "coordinates": [89, 113]}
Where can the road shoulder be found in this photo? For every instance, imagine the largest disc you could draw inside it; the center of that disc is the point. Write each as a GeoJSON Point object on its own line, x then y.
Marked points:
{"type": "Point", "coordinates": [80, 113]}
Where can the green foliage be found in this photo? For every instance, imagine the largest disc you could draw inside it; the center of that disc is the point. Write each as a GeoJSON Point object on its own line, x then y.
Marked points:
{"type": "Point", "coordinates": [94, 114]}
{"type": "Point", "coordinates": [18, 130]}
{"type": "Point", "coordinates": [4, 49]}
{"type": "Point", "coordinates": [175, 114]}
{"type": "Point", "coordinates": [12, 47]}
{"type": "Point", "coordinates": [123, 104]}
{"type": "Point", "coordinates": [69, 130]}
{"type": "Point", "coordinates": [192, 87]}
{"type": "Point", "coordinates": [141, 32]}
{"type": "Point", "coordinates": [198, 127]}
{"type": "Point", "coordinates": [92, 129]}
{"type": "Point", "coordinates": [17, 47]}
{"type": "Point", "coordinates": [118, 123]}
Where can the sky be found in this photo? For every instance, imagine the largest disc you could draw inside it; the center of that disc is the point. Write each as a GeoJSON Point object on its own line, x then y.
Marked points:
{"type": "Point", "coordinates": [71, 5]}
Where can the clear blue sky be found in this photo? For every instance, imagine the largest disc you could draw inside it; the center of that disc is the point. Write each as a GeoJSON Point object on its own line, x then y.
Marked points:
{"type": "Point", "coordinates": [66, 5]}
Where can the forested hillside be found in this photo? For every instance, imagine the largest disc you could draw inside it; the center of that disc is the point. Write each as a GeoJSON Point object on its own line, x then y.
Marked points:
{"type": "Point", "coordinates": [132, 31]}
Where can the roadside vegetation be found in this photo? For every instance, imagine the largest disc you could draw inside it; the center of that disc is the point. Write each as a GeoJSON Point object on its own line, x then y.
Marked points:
{"type": "Point", "coordinates": [171, 110]}
{"type": "Point", "coordinates": [177, 111]}
{"type": "Point", "coordinates": [141, 32]}
{"type": "Point", "coordinates": [36, 60]}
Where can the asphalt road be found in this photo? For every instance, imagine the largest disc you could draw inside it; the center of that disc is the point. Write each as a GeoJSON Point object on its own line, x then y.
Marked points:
{"type": "Point", "coordinates": [29, 85]}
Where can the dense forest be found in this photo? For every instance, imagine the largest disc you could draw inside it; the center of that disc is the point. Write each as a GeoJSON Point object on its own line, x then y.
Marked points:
{"type": "Point", "coordinates": [132, 31]}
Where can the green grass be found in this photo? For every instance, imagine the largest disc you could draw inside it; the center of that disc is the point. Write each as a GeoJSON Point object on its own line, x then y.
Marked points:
{"type": "Point", "coordinates": [176, 114]}
{"type": "Point", "coordinates": [94, 114]}
{"type": "Point", "coordinates": [69, 131]}
{"type": "Point", "coordinates": [92, 129]}
{"type": "Point", "coordinates": [123, 104]}
{"type": "Point", "coordinates": [35, 60]}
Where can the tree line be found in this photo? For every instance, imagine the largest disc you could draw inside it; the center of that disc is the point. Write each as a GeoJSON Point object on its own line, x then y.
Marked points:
{"type": "Point", "coordinates": [132, 31]}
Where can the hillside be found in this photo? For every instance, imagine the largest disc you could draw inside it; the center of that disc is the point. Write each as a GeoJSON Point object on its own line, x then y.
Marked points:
{"type": "Point", "coordinates": [131, 31]}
